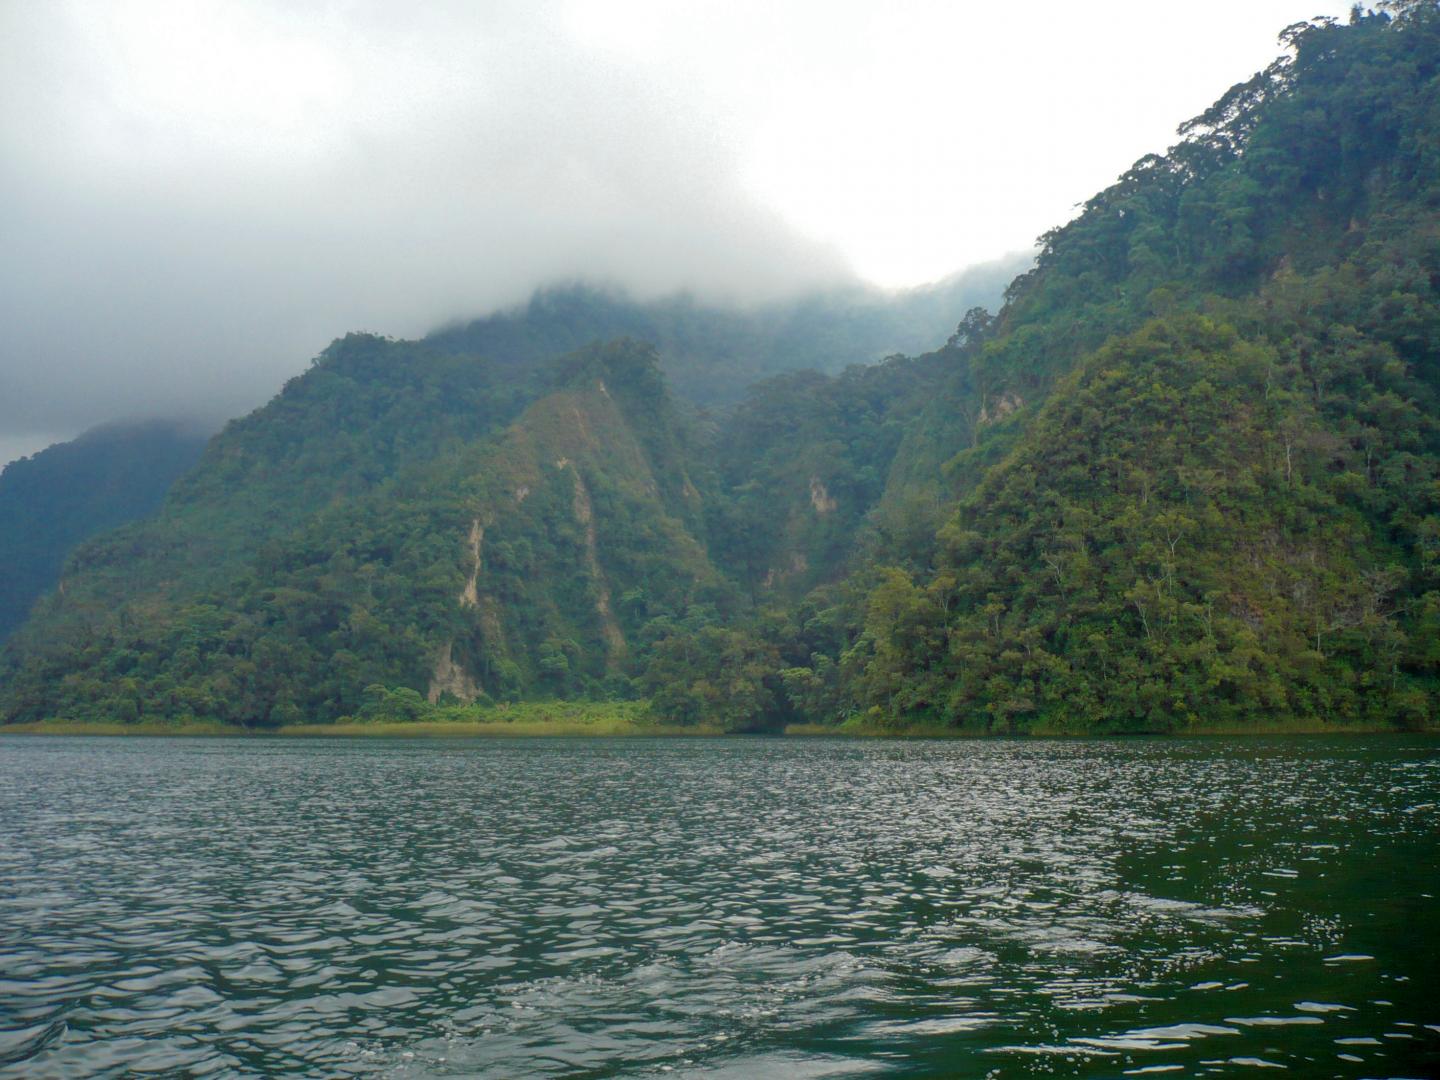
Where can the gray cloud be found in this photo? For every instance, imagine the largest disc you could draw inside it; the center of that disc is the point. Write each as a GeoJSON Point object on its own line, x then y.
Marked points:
{"type": "Point", "coordinates": [197, 197]}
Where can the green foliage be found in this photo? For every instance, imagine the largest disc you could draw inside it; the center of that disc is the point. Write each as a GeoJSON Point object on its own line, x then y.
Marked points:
{"type": "Point", "coordinates": [471, 568]}
{"type": "Point", "coordinates": [719, 676]}
{"type": "Point", "coordinates": [1181, 538]}
{"type": "Point", "coordinates": [1223, 515]}
{"type": "Point", "coordinates": [381, 704]}
{"type": "Point", "coordinates": [802, 462]}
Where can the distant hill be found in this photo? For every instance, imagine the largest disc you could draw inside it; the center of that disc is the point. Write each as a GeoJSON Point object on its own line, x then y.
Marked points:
{"type": "Point", "coordinates": [54, 499]}
{"type": "Point", "coordinates": [712, 353]}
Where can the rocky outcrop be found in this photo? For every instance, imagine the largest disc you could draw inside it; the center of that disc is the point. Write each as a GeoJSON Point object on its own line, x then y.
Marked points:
{"type": "Point", "coordinates": [820, 497]}
{"type": "Point", "coordinates": [450, 678]}
{"type": "Point", "coordinates": [614, 638]}
{"type": "Point", "coordinates": [470, 595]}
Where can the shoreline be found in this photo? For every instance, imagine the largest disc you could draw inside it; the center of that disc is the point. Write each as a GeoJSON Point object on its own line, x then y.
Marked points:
{"type": "Point", "coordinates": [626, 728]}
{"type": "Point", "coordinates": [419, 730]}
{"type": "Point", "coordinates": [1302, 728]}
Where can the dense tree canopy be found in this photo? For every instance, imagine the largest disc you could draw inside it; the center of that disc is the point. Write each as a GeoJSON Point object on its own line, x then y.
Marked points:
{"type": "Point", "coordinates": [58, 497]}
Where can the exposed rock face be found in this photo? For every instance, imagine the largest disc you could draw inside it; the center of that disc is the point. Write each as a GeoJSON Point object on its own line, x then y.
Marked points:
{"type": "Point", "coordinates": [615, 645]}
{"type": "Point", "coordinates": [820, 497]}
{"type": "Point", "coordinates": [799, 564]}
{"type": "Point", "coordinates": [449, 677]}
{"type": "Point", "coordinates": [1000, 408]}
{"type": "Point", "coordinates": [470, 596]}
{"type": "Point", "coordinates": [546, 522]}
{"type": "Point", "coordinates": [583, 437]}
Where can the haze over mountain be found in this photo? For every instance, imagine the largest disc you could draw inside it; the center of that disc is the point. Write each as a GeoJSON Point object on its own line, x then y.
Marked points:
{"type": "Point", "coordinates": [120, 471]}
{"type": "Point", "coordinates": [197, 195]}
{"type": "Point", "coordinates": [1187, 476]}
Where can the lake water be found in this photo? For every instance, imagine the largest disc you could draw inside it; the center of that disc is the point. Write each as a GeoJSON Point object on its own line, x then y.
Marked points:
{"type": "Point", "coordinates": [720, 908]}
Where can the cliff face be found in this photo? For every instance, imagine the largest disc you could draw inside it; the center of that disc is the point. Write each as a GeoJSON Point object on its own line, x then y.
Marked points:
{"type": "Point", "coordinates": [575, 542]}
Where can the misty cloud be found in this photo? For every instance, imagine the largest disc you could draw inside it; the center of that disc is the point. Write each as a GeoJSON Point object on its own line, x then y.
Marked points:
{"type": "Point", "coordinates": [199, 196]}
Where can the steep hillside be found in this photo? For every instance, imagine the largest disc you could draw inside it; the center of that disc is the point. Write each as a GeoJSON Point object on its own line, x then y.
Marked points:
{"type": "Point", "coordinates": [1181, 537]}
{"type": "Point", "coordinates": [535, 560]}
{"type": "Point", "coordinates": [367, 407]}
{"type": "Point", "coordinates": [803, 462]}
{"type": "Point", "coordinates": [54, 499]}
{"type": "Point", "coordinates": [1195, 455]}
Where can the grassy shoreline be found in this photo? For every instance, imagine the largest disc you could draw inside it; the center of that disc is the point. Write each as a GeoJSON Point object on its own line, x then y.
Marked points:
{"type": "Point", "coordinates": [361, 730]}
{"type": "Point", "coordinates": [1292, 727]}
{"type": "Point", "coordinates": [571, 721]}
{"type": "Point", "coordinates": [626, 719]}
{"type": "Point", "coordinates": [494, 729]}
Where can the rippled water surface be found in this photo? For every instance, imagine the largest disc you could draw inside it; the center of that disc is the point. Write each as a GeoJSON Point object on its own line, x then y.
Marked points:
{"type": "Point", "coordinates": [709, 908]}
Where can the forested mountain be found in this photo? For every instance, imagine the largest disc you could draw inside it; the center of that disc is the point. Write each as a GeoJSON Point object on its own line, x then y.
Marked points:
{"type": "Point", "coordinates": [416, 529]}
{"type": "Point", "coordinates": [54, 499]}
{"type": "Point", "coordinates": [1186, 476]}
{"type": "Point", "coordinates": [369, 404]}
{"type": "Point", "coordinates": [1195, 455]}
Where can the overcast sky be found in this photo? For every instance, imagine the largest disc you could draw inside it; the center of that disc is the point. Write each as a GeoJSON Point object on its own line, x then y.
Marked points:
{"type": "Point", "coordinates": [197, 195]}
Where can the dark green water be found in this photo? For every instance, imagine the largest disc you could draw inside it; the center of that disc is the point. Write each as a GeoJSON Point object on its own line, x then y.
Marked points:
{"type": "Point", "coordinates": [708, 908]}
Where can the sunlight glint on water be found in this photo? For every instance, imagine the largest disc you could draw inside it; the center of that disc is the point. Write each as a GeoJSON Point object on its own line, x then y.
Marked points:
{"type": "Point", "coordinates": [720, 908]}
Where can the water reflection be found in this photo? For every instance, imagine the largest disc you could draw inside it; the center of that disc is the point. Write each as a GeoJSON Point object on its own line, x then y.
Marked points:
{"type": "Point", "coordinates": [719, 908]}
